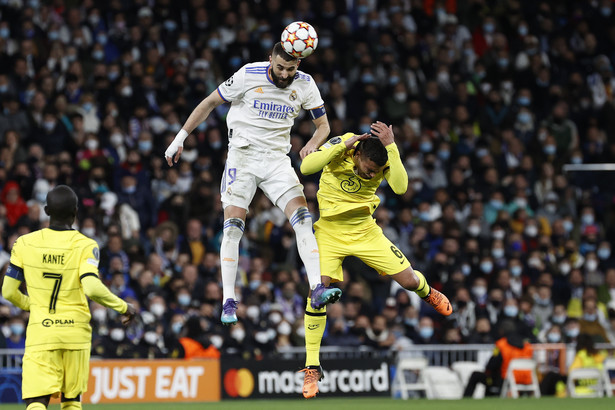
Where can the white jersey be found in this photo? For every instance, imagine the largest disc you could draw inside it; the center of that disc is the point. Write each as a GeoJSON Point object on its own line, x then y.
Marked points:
{"type": "Point", "coordinates": [262, 114]}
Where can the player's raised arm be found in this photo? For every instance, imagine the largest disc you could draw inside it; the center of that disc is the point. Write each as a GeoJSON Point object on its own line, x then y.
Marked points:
{"type": "Point", "coordinates": [396, 174]}
{"type": "Point", "coordinates": [198, 115]}
{"type": "Point", "coordinates": [333, 148]}
{"type": "Point", "coordinates": [320, 134]}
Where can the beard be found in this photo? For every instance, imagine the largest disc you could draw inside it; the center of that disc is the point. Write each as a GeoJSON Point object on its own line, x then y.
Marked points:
{"type": "Point", "coordinates": [280, 82]}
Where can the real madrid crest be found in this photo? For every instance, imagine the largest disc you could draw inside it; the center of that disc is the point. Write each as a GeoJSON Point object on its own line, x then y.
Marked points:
{"type": "Point", "coordinates": [293, 95]}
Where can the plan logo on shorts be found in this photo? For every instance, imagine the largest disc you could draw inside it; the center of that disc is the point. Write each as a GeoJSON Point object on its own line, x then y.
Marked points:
{"type": "Point", "coordinates": [229, 82]}
{"type": "Point", "coordinates": [351, 185]}
{"type": "Point", "coordinates": [293, 95]}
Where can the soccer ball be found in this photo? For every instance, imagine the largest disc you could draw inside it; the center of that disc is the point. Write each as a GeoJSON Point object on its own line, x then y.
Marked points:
{"type": "Point", "coordinates": [299, 39]}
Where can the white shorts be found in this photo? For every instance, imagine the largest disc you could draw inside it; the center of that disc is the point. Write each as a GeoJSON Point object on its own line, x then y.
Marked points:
{"type": "Point", "coordinates": [248, 168]}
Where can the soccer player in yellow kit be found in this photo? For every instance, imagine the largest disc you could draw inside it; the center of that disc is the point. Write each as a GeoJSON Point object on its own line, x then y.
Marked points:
{"type": "Point", "coordinates": [353, 167]}
{"type": "Point", "coordinates": [60, 267]}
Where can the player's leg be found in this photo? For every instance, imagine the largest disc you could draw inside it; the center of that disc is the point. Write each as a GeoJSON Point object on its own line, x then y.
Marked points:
{"type": "Point", "coordinates": [415, 281]}
{"type": "Point", "coordinates": [76, 373]}
{"type": "Point", "coordinates": [41, 378]}
{"type": "Point", "coordinates": [234, 224]}
{"type": "Point", "coordinates": [315, 319]}
{"type": "Point", "coordinates": [237, 190]}
{"type": "Point", "coordinates": [377, 251]}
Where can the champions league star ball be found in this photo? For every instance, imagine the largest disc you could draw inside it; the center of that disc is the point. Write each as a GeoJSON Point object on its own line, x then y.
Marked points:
{"type": "Point", "coordinates": [299, 39]}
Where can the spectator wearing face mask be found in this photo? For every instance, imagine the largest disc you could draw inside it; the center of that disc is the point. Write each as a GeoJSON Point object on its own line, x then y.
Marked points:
{"type": "Point", "coordinates": [589, 323]}
{"type": "Point", "coordinates": [553, 375]}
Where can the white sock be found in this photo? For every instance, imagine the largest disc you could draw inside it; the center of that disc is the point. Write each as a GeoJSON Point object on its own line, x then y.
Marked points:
{"type": "Point", "coordinates": [229, 256]}
{"type": "Point", "coordinates": [301, 220]}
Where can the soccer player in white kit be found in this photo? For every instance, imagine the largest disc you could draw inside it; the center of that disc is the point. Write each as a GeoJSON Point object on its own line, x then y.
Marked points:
{"type": "Point", "coordinates": [265, 98]}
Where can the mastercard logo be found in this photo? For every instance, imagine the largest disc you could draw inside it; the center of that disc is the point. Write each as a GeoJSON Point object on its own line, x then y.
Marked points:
{"type": "Point", "coordinates": [238, 382]}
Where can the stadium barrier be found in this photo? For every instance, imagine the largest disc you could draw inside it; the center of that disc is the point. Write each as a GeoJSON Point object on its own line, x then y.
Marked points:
{"type": "Point", "coordinates": [358, 371]}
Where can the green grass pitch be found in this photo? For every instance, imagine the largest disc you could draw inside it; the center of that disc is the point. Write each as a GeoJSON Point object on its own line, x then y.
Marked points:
{"type": "Point", "coordinates": [363, 404]}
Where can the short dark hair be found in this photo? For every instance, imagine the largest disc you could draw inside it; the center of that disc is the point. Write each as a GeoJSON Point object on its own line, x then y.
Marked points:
{"type": "Point", "coordinates": [278, 50]}
{"type": "Point", "coordinates": [62, 204]}
{"type": "Point", "coordinates": [372, 148]}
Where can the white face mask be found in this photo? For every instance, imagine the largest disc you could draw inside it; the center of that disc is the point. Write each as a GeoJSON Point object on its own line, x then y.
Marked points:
{"type": "Point", "coordinates": [89, 232]}
{"type": "Point", "coordinates": [91, 144]}
{"type": "Point", "coordinates": [253, 312]}
{"type": "Point", "coordinates": [157, 309]}
{"type": "Point", "coordinates": [284, 328]}
{"type": "Point", "coordinates": [117, 334]}
{"type": "Point", "coordinates": [217, 341]}
{"type": "Point", "coordinates": [474, 230]}
{"type": "Point", "coordinates": [116, 139]}
{"type": "Point", "coordinates": [531, 230]}
{"type": "Point", "coordinates": [591, 265]}
{"type": "Point", "coordinates": [238, 334]}
{"type": "Point", "coordinates": [275, 318]}
{"type": "Point", "coordinates": [150, 338]}
{"type": "Point", "coordinates": [190, 155]}
{"type": "Point", "coordinates": [99, 315]}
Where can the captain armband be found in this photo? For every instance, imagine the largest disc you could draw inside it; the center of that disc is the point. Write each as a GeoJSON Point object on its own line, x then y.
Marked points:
{"type": "Point", "coordinates": [317, 112]}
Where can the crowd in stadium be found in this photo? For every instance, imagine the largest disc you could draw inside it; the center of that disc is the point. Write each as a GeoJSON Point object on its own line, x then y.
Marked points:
{"type": "Point", "coordinates": [489, 100]}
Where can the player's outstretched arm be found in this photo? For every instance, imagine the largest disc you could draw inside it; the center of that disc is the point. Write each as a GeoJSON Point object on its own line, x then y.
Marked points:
{"type": "Point", "coordinates": [320, 135]}
{"type": "Point", "coordinates": [395, 174]}
{"type": "Point", "coordinates": [333, 148]}
{"type": "Point", "coordinates": [198, 115]}
{"type": "Point", "coordinates": [99, 293]}
{"type": "Point", "coordinates": [11, 292]}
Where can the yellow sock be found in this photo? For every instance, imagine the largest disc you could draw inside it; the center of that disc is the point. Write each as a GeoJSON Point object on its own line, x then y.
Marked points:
{"type": "Point", "coordinates": [71, 405]}
{"type": "Point", "coordinates": [36, 406]}
{"type": "Point", "coordinates": [315, 321]}
{"type": "Point", "coordinates": [423, 288]}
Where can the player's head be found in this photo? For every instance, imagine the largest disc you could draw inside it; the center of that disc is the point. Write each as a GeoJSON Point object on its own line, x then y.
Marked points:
{"type": "Point", "coordinates": [62, 205]}
{"type": "Point", "coordinates": [370, 157]}
{"type": "Point", "coordinates": [283, 66]}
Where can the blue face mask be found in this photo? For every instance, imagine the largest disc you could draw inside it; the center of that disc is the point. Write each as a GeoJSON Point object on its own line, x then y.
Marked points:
{"type": "Point", "coordinates": [4, 88]}
{"type": "Point", "coordinates": [235, 62]}
{"type": "Point", "coordinates": [523, 101]}
{"type": "Point", "coordinates": [177, 327]}
{"type": "Point", "coordinates": [183, 43]}
{"type": "Point", "coordinates": [412, 322]}
{"type": "Point", "coordinates": [511, 311]}
{"type": "Point", "coordinates": [605, 11]}
{"type": "Point", "coordinates": [145, 146]}
{"type": "Point", "coordinates": [522, 30]}
{"type": "Point", "coordinates": [17, 329]}
{"type": "Point", "coordinates": [590, 317]}
{"type": "Point", "coordinates": [554, 337]}
{"type": "Point", "coordinates": [576, 160]}
{"type": "Point", "coordinates": [170, 25]}
{"type": "Point", "coordinates": [550, 149]}
{"type": "Point", "coordinates": [5, 32]}
{"type": "Point", "coordinates": [87, 106]}
{"type": "Point", "coordinates": [574, 332]}
{"type": "Point", "coordinates": [102, 39]}
{"type": "Point", "coordinates": [489, 28]}
{"type": "Point", "coordinates": [444, 155]}
{"type": "Point", "coordinates": [486, 266]}
{"type": "Point", "coordinates": [98, 55]}
{"type": "Point", "coordinates": [568, 225]}
{"type": "Point", "coordinates": [604, 253]}
{"type": "Point", "coordinates": [184, 299]}
{"type": "Point", "coordinates": [426, 146]}
{"type": "Point", "coordinates": [524, 117]}
{"type": "Point", "coordinates": [130, 189]}
{"type": "Point", "coordinates": [53, 35]}
{"type": "Point", "coordinates": [516, 270]}
{"type": "Point", "coordinates": [426, 332]}
{"type": "Point", "coordinates": [214, 43]}
{"type": "Point", "coordinates": [367, 78]}
{"type": "Point", "coordinates": [496, 203]}
{"type": "Point", "coordinates": [503, 62]}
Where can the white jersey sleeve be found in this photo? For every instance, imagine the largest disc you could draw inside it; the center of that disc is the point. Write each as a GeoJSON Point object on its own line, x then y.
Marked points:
{"type": "Point", "coordinates": [233, 89]}
{"type": "Point", "coordinates": [312, 96]}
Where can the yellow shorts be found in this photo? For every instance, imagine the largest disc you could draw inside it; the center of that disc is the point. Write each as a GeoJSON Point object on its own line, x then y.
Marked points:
{"type": "Point", "coordinates": [54, 371]}
{"type": "Point", "coordinates": [365, 241]}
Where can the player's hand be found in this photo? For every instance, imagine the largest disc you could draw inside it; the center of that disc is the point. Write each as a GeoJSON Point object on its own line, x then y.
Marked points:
{"type": "Point", "coordinates": [176, 148]}
{"type": "Point", "coordinates": [308, 149]}
{"type": "Point", "coordinates": [351, 141]}
{"type": "Point", "coordinates": [130, 314]}
{"type": "Point", "coordinates": [383, 132]}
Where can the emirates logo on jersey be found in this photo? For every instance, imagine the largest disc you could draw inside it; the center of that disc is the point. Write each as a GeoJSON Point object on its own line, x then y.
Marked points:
{"type": "Point", "coordinates": [293, 95]}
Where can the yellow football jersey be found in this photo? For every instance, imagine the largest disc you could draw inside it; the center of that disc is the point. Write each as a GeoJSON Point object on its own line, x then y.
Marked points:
{"type": "Point", "coordinates": [52, 263]}
{"type": "Point", "coordinates": [342, 192]}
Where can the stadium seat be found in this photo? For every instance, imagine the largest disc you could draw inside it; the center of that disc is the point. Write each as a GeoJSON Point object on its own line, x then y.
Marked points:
{"type": "Point", "coordinates": [442, 383]}
{"type": "Point", "coordinates": [593, 386]}
{"type": "Point", "coordinates": [464, 370]}
{"type": "Point", "coordinates": [510, 384]}
{"type": "Point", "coordinates": [609, 376]}
{"type": "Point", "coordinates": [415, 366]}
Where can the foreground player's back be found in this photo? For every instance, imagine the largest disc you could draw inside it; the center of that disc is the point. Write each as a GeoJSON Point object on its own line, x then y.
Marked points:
{"type": "Point", "coordinates": [53, 262]}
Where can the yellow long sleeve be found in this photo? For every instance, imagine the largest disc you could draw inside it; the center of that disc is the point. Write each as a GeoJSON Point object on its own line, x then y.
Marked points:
{"type": "Point", "coordinates": [396, 174]}
{"type": "Point", "coordinates": [11, 292]}
{"type": "Point", "coordinates": [95, 290]}
{"type": "Point", "coordinates": [316, 161]}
